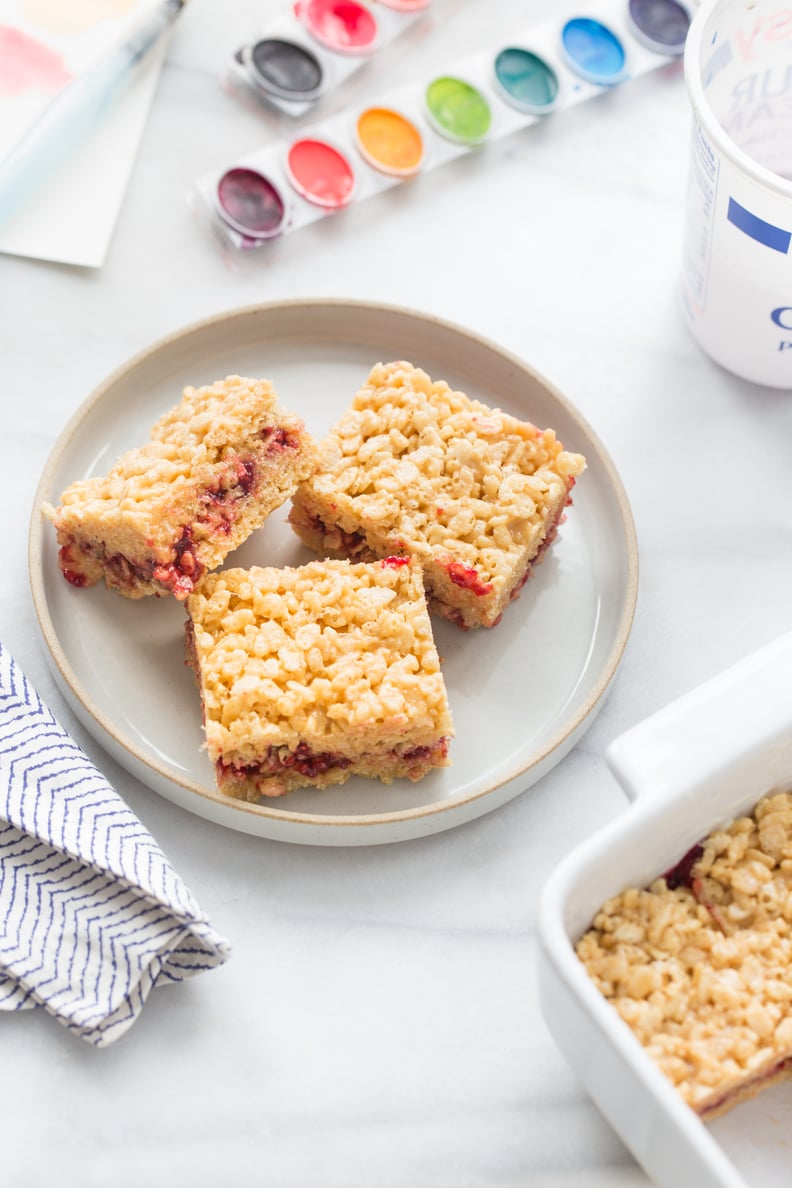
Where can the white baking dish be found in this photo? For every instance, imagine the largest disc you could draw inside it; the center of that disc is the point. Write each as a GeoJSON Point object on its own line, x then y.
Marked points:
{"type": "Point", "coordinates": [688, 769]}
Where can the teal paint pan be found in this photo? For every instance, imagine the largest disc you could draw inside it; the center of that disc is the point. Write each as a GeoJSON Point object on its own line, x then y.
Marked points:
{"type": "Point", "coordinates": [526, 81]}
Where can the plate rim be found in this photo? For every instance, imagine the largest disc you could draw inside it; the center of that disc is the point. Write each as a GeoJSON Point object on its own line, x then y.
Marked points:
{"type": "Point", "coordinates": [266, 812]}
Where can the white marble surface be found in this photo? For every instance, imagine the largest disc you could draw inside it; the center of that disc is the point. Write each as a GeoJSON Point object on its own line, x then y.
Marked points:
{"type": "Point", "coordinates": [378, 1024]}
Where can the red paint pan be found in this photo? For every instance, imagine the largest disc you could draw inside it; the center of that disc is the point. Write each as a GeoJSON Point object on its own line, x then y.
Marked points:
{"type": "Point", "coordinates": [320, 173]}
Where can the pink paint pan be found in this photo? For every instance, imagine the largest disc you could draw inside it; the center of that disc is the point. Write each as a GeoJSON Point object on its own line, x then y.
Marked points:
{"type": "Point", "coordinates": [343, 26]}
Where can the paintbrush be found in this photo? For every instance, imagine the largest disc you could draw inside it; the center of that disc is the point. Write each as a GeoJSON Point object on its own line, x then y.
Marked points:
{"type": "Point", "coordinates": [77, 109]}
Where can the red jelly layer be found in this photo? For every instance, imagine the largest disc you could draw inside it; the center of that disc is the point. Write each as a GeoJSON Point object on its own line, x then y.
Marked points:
{"type": "Point", "coordinates": [314, 763]}
{"type": "Point", "coordinates": [239, 479]}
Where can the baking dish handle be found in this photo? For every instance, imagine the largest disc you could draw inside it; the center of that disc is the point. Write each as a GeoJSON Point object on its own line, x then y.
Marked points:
{"type": "Point", "coordinates": [744, 710]}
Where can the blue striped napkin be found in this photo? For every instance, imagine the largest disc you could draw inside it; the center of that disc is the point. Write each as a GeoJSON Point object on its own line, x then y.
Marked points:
{"type": "Point", "coordinates": [92, 915]}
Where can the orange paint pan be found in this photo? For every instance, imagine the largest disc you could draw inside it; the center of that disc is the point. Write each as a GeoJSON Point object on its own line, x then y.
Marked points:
{"type": "Point", "coordinates": [389, 142]}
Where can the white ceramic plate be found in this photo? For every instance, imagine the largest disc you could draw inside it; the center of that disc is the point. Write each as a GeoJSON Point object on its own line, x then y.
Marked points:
{"type": "Point", "coordinates": [521, 693]}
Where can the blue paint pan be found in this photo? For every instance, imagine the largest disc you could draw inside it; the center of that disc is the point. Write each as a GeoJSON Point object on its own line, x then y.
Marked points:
{"type": "Point", "coordinates": [593, 52]}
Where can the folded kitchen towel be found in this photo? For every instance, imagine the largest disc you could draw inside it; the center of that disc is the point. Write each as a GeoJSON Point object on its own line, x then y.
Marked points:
{"type": "Point", "coordinates": [92, 915]}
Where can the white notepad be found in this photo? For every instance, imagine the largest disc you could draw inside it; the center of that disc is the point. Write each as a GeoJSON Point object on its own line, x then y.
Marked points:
{"type": "Point", "coordinates": [71, 220]}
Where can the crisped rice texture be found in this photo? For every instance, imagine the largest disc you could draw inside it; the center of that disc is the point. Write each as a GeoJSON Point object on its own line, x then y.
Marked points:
{"type": "Point", "coordinates": [332, 660]}
{"type": "Point", "coordinates": [415, 468]}
{"type": "Point", "coordinates": [214, 468]}
{"type": "Point", "coordinates": [702, 971]}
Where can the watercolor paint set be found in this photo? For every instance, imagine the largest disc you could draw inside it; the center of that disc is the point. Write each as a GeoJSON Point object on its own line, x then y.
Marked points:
{"type": "Point", "coordinates": [315, 46]}
{"type": "Point", "coordinates": [360, 152]}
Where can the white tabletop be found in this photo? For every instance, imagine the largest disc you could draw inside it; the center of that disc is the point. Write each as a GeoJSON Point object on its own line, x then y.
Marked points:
{"type": "Point", "coordinates": [378, 1023]}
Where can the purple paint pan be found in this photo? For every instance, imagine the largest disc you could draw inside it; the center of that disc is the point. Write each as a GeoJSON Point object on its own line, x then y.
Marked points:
{"type": "Point", "coordinates": [660, 25]}
{"type": "Point", "coordinates": [250, 203]}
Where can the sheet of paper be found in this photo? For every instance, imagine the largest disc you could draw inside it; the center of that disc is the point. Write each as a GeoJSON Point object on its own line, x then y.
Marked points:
{"type": "Point", "coordinates": [43, 44]}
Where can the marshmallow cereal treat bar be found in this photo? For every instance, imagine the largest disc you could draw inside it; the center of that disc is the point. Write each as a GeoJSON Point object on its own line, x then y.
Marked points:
{"type": "Point", "coordinates": [310, 675]}
{"type": "Point", "coordinates": [416, 469]}
{"type": "Point", "coordinates": [214, 468]}
{"type": "Point", "coordinates": [699, 965]}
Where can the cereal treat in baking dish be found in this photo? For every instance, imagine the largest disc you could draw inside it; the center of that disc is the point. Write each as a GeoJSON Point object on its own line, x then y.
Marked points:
{"type": "Point", "coordinates": [416, 469]}
{"type": "Point", "coordinates": [168, 511]}
{"type": "Point", "coordinates": [699, 965]}
{"type": "Point", "coordinates": [310, 675]}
